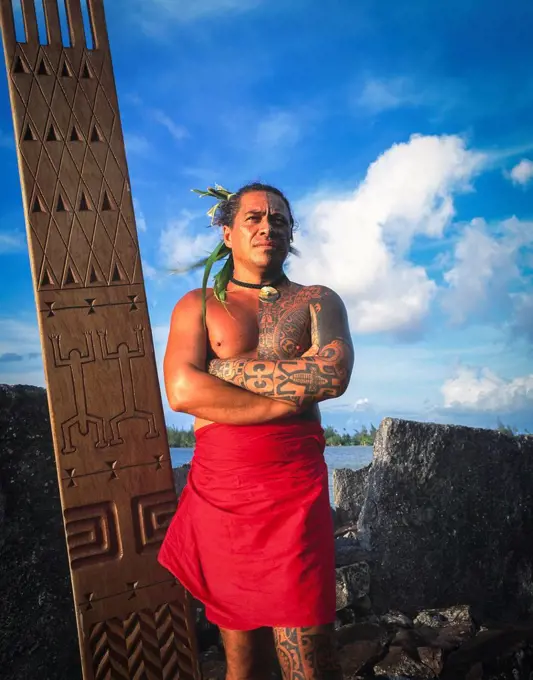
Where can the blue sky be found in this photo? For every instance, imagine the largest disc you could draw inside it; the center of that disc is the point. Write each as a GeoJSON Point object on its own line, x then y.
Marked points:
{"type": "Point", "coordinates": [402, 134]}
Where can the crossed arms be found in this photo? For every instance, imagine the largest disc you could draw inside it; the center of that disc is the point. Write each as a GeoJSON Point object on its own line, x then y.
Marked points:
{"type": "Point", "coordinates": [249, 391]}
{"type": "Point", "coordinates": [323, 372]}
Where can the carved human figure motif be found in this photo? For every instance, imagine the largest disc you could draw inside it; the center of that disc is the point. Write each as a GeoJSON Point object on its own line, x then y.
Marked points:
{"type": "Point", "coordinates": [85, 261]}
{"type": "Point", "coordinates": [75, 360]}
{"type": "Point", "coordinates": [123, 354]}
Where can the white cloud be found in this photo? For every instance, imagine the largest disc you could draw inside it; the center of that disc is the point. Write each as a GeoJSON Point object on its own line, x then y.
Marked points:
{"type": "Point", "coordinates": [149, 271]}
{"type": "Point", "coordinates": [376, 95]}
{"type": "Point", "coordinates": [483, 390]}
{"type": "Point", "coordinates": [139, 216]}
{"type": "Point", "coordinates": [522, 172]}
{"type": "Point", "coordinates": [137, 144]}
{"type": "Point", "coordinates": [483, 267]}
{"type": "Point", "coordinates": [11, 242]}
{"type": "Point", "coordinates": [180, 247]}
{"type": "Point", "coordinates": [185, 11]}
{"type": "Point", "coordinates": [522, 323]}
{"type": "Point", "coordinates": [20, 338]}
{"type": "Point", "coordinates": [362, 404]}
{"type": "Point", "coordinates": [356, 243]}
{"type": "Point", "coordinates": [385, 94]}
{"type": "Point", "coordinates": [179, 132]}
{"type": "Point", "coordinates": [278, 130]}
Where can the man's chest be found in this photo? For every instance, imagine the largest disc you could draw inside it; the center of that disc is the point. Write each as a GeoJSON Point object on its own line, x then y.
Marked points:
{"type": "Point", "coordinates": [263, 330]}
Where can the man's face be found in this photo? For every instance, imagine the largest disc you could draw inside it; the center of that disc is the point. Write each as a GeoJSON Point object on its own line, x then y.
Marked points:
{"type": "Point", "coordinates": [261, 233]}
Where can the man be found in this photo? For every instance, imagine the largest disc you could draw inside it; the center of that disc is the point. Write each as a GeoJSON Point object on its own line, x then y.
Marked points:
{"type": "Point", "coordinates": [252, 537]}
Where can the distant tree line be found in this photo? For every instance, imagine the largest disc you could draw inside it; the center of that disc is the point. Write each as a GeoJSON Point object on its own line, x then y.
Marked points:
{"type": "Point", "coordinates": [363, 437]}
{"type": "Point", "coordinates": [509, 429]}
{"type": "Point", "coordinates": [181, 438]}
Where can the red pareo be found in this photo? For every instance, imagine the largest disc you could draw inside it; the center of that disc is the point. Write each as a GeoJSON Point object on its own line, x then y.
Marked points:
{"type": "Point", "coordinates": [252, 537]}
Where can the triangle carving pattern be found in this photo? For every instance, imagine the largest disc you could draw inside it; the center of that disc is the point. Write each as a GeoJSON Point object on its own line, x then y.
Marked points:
{"type": "Point", "coordinates": [29, 134]}
{"type": "Point", "coordinates": [69, 277]}
{"type": "Point", "coordinates": [20, 65]}
{"type": "Point", "coordinates": [42, 69]}
{"type": "Point", "coordinates": [46, 279]}
{"type": "Point", "coordinates": [61, 206]}
{"type": "Point", "coordinates": [52, 135]}
{"type": "Point", "coordinates": [57, 118]}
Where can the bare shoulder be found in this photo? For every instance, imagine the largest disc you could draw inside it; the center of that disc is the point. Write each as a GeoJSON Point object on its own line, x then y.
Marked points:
{"type": "Point", "coordinates": [188, 309]}
{"type": "Point", "coordinates": [318, 293]}
{"type": "Point", "coordinates": [193, 300]}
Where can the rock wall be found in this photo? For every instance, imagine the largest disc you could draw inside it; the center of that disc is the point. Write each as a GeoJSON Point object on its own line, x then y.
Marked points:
{"type": "Point", "coordinates": [349, 492]}
{"type": "Point", "coordinates": [447, 518]}
{"type": "Point", "coordinates": [38, 628]}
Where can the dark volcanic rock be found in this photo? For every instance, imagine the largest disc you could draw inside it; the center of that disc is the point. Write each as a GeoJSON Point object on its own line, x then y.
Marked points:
{"type": "Point", "coordinates": [349, 551]}
{"type": "Point", "coordinates": [449, 516]}
{"type": "Point", "coordinates": [180, 477]}
{"type": "Point", "coordinates": [349, 491]}
{"type": "Point", "coordinates": [353, 583]}
{"type": "Point", "coordinates": [38, 635]}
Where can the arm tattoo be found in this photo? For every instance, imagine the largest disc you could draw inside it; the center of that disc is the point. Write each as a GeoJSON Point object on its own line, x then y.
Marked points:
{"type": "Point", "coordinates": [307, 653]}
{"type": "Point", "coordinates": [312, 317]}
{"type": "Point", "coordinates": [298, 380]}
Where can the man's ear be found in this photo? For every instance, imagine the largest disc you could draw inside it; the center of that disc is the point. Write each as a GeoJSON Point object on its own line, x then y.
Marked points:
{"type": "Point", "coordinates": [226, 235]}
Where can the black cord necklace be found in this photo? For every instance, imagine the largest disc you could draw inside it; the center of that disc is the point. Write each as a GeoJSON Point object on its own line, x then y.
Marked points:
{"type": "Point", "coordinates": [267, 291]}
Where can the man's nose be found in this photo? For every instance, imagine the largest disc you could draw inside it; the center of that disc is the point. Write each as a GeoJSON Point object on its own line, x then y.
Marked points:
{"type": "Point", "coordinates": [265, 227]}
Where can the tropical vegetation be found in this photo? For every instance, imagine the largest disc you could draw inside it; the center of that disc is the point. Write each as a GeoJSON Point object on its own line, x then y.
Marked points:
{"type": "Point", "coordinates": [182, 438]}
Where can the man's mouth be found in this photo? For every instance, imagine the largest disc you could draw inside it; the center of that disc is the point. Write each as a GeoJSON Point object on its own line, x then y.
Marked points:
{"type": "Point", "coordinates": [269, 245]}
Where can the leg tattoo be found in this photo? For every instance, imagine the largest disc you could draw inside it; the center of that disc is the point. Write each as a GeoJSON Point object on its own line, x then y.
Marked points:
{"type": "Point", "coordinates": [307, 653]}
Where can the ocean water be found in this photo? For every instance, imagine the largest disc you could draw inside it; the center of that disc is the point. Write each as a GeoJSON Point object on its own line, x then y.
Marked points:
{"type": "Point", "coordinates": [353, 457]}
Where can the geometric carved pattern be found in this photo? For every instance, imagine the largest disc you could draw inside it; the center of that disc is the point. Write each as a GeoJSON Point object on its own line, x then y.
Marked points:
{"type": "Point", "coordinates": [84, 172]}
{"type": "Point", "coordinates": [94, 178]}
{"type": "Point", "coordinates": [117, 490]}
{"type": "Point", "coordinates": [146, 644]}
{"type": "Point", "coordinates": [92, 534]}
{"type": "Point", "coordinates": [151, 516]}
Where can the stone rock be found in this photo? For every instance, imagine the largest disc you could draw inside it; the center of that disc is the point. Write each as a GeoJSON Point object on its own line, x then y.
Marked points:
{"type": "Point", "coordinates": [356, 632]}
{"type": "Point", "coordinates": [432, 658]}
{"type": "Point", "coordinates": [500, 652]}
{"type": "Point", "coordinates": [448, 514]}
{"type": "Point", "coordinates": [459, 616]}
{"type": "Point", "coordinates": [349, 551]}
{"type": "Point", "coordinates": [399, 663]}
{"type": "Point", "coordinates": [39, 637]}
{"type": "Point", "coordinates": [361, 645]}
{"type": "Point", "coordinates": [180, 477]}
{"type": "Point", "coordinates": [207, 634]}
{"type": "Point", "coordinates": [359, 655]}
{"type": "Point", "coordinates": [353, 583]}
{"type": "Point", "coordinates": [363, 606]}
{"type": "Point", "coordinates": [396, 619]}
{"type": "Point", "coordinates": [349, 491]}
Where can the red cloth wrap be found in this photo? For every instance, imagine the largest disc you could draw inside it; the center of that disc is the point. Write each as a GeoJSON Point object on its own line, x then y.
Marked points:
{"type": "Point", "coordinates": [252, 537]}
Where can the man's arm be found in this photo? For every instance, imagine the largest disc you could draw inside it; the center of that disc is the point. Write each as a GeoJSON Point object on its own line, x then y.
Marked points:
{"type": "Point", "coordinates": [191, 390]}
{"type": "Point", "coordinates": [309, 379]}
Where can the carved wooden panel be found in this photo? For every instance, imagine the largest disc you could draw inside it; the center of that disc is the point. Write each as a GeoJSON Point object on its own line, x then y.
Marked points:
{"type": "Point", "coordinates": [110, 442]}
